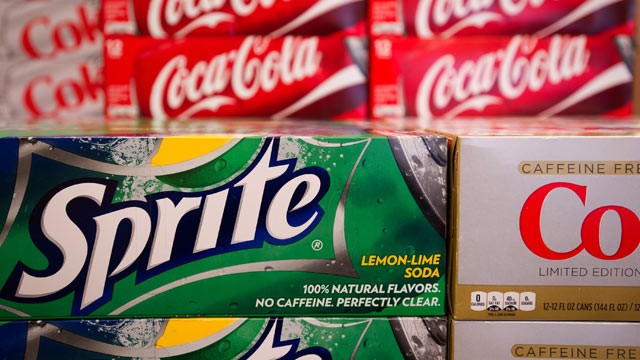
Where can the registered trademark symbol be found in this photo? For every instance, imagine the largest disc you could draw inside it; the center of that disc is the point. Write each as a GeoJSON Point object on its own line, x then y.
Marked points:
{"type": "Point", "coordinates": [317, 245]}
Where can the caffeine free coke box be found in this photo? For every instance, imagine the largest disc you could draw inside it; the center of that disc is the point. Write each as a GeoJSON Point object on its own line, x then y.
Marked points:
{"type": "Point", "coordinates": [218, 219]}
{"type": "Point", "coordinates": [229, 338]}
{"type": "Point", "coordinates": [544, 340]}
{"type": "Point", "coordinates": [544, 222]}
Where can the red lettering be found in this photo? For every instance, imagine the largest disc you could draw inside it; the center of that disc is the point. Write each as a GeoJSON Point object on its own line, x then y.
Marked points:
{"type": "Point", "coordinates": [630, 237]}
{"type": "Point", "coordinates": [29, 96]}
{"type": "Point", "coordinates": [64, 37]}
{"type": "Point", "coordinates": [67, 36]}
{"type": "Point", "coordinates": [27, 43]}
{"type": "Point", "coordinates": [67, 94]}
{"type": "Point", "coordinates": [530, 221]}
{"type": "Point", "coordinates": [590, 232]}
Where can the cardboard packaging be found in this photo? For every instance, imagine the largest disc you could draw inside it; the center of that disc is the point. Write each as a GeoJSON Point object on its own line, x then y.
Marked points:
{"type": "Point", "coordinates": [472, 340]}
{"type": "Point", "coordinates": [254, 76]}
{"type": "Point", "coordinates": [228, 338]}
{"type": "Point", "coordinates": [519, 75]}
{"type": "Point", "coordinates": [445, 18]}
{"type": "Point", "coordinates": [219, 218]}
{"type": "Point", "coordinates": [50, 60]}
{"type": "Point", "coordinates": [544, 222]}
{"type": "Point", "coordinates": [177, 19]}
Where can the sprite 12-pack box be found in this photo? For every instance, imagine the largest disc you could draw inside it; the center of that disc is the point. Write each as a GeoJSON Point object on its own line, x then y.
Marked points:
{"type": "Point", "coordinates": [227, 338]}
{"type": "Point", "coordinates": [221, 219]}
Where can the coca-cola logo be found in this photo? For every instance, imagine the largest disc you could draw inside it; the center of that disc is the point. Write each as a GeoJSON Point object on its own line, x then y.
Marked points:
{"type": "Point", "coordinates": [449, 88]}
{"type": "Point", "coordinates": [62, 37]}
{"type": "Point", "coordinates": [45, 96]}
{"type": "Point", "coordinates": [457, 15]}
{"type": "Point", "coordinates": [590, 234]}
{"type": "Point", "coordinates": [180, 91]}
{"type": "Point", "coordinates": [166, 17]}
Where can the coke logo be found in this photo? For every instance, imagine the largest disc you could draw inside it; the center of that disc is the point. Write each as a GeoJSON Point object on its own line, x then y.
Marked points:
{"type": "Point", "coordinates": [432, 14]}
{"type": "Point", "coordinates": [503, 74]}
{"type": "Point", "coordinates": [253, 67]}
{"type": "Point", "coordinates": [65, 36]}
{"type": "Point", "coordinates": [590, 231]}
{"type": "Point", "coordinates": [200, 13]}
{"type": "Point", "coordinates": [46, 97]}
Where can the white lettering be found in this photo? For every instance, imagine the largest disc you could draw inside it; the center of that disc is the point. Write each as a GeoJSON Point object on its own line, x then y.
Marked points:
{"type": "Point", "coordinates": [180, 92]}
{"type": "Point", "coordinates": [458, 15]}
{"type": "Point", "coordinates": [198, 13]}
{"type": "Point", "coordinates": [506, 73]}
{"type": "Point", "coordinates": [61, 230]}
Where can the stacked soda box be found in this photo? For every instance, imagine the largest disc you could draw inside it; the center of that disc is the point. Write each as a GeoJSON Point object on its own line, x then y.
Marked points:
{"type": "Point", "coordinates": [544, 226]}
{"type": "Point", "coordinates": [50, 59]}
{"type": "Point", "coordinates": [446, 18]}
{"type": "Point", "coordinates": [544, 340]}
{"type": "Point", "coordinates": [276, 59]}
{"type": "Point", "coordinates": [492, 58]}
{"type": "Point", "coordinates": [335, 222]}
{"type": "Point", "coordinates": [229, 338]}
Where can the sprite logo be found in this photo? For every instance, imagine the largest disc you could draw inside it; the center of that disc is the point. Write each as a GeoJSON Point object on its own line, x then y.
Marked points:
{"type": "Point", "coordinates": [91, 242]}
{"type": "Point", "coordinates": [272, 346]}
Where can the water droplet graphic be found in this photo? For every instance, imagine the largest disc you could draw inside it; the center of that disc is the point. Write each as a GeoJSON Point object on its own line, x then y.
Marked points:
{"type": "Point", "coordinates": [417, 343]}
{"type": "Point", "coordinates": [379, 201]}
{"type": "Point", "coordinates": [219, 164]}
{"type": "Point", "coordinates": [417, 162]}
{"type": "Point", "coordinates": [225, 345]}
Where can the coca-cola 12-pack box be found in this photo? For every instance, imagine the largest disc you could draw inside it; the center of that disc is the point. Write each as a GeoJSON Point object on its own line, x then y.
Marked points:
{"type": "Point", "coordinates": [180, 18]}
{"type": "Point", "coordinates": [252, 76]}
{"type": "Point", "coordinates": [519, 75]}
{"type": "Point", "coordinates": [449, 18]}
